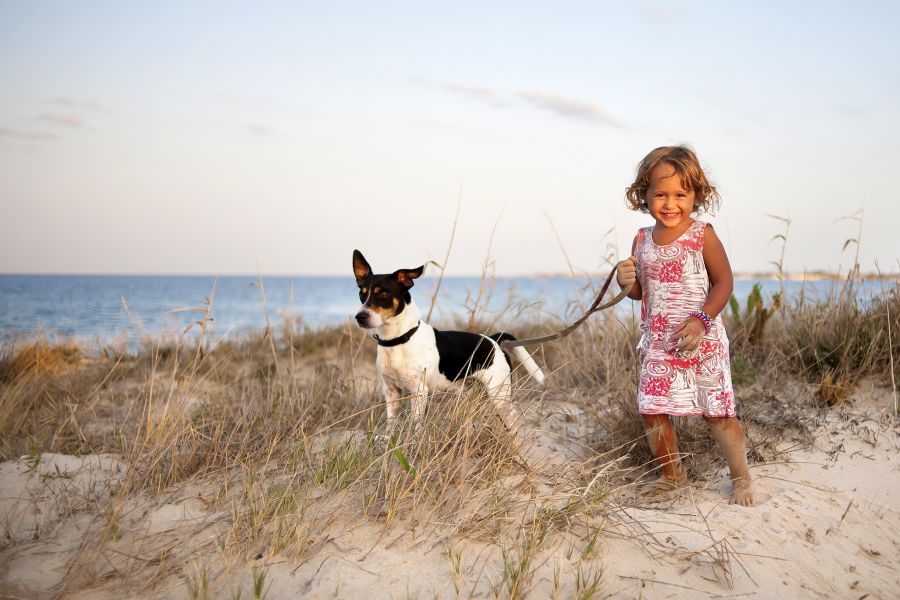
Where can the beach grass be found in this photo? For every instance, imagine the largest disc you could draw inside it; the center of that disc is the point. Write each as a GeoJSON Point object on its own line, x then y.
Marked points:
{"type": "Point", "coordinates": [281, 436]}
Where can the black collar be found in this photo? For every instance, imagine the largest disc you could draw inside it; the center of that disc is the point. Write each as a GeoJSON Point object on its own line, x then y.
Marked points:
{"type": "Point", "coordinates": [398, 340]}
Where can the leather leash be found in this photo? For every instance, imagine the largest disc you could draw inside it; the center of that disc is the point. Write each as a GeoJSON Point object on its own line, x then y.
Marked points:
{"type": "Point", "coordinates": [595, 307]}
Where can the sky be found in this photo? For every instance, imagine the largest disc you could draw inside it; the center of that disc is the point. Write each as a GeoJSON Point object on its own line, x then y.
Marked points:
{"type": "Point", "coordinates": [231, 137]}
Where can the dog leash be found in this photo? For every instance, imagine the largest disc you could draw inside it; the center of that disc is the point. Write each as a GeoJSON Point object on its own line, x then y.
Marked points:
{"type": "Point", "coordinates": [595, 307]}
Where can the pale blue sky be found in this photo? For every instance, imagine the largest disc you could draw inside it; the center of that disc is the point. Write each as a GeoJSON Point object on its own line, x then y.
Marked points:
{"type": "Point", "coordinates": [204, 138]}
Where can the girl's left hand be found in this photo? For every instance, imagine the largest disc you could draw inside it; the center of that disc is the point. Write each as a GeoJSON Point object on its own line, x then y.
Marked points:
{"type": "Point", "coordinates": [690, 333]}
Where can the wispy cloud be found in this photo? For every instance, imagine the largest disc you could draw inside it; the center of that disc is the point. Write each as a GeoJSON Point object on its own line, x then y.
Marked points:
{"type": "Point", "coordinates": [69, 112]}
{"type": "Point", "coordinates": [660, 13]}
{"type": "Point", "coordinates": [854, 111]}
{"type": "Point", "coordinates": [568, 107]}
{"type": "Point", "coordinates": [75, 104]}
{"type": "Point", "coordinates": [479, 93]}
{"type": "Point", "coordinates": [257, 129]}
{"type": "Point", "coordinates": [61, 119]}
{"type": "Point", "coordinates": [18, 134]}
{"type": "Point", "coordinates": [475, 92]}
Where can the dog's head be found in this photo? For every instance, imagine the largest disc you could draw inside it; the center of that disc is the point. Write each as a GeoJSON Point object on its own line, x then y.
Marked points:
{"type": "Point", "coordinates": [382, 296]}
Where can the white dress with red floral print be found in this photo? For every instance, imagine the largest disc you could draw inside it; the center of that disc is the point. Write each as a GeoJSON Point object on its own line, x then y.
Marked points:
{"type": "Point", "coordinates": [675, 283]}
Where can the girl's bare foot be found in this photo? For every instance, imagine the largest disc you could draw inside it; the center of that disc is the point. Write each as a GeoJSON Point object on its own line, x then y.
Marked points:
{"type": "Point", "coordinates": [666, 483]}
{"type": "Point", "coordinates": [742, 494]}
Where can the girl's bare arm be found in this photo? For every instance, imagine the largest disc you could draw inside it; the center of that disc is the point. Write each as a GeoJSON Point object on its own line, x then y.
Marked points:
{"type": "Point", "coordinates": [721, 279]}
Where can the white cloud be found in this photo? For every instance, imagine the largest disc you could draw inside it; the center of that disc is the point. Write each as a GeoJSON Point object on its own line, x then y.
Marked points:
{"type": "Point", "coordinates": [19, 134]}
{"type": "Point", "coordinates": [74, 104]}
{"type": "Point", "coordinates": [258, 129]}
{"type": "Point", "coordinates": [61, 119]}
{"type": "Point", "coordinates": [558, 105]}
{"type": "Point", "coordinates": [480, 93]}
{"type": "Point", "coordinates": [568, 107]}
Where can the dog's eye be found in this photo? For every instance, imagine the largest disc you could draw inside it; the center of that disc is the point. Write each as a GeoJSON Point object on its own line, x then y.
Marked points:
{"type": "Point", "coordinates": [383, 294]}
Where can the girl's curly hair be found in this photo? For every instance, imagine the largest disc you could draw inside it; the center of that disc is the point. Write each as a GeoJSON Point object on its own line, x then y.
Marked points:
{"type": "Point", "coordinates": [686, 165]}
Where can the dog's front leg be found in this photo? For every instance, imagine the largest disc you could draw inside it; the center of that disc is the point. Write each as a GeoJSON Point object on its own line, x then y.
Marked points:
{"type": "Point", "coordinates": [420, 398]}
{"type": "Point", "coordinates": [392, 395]}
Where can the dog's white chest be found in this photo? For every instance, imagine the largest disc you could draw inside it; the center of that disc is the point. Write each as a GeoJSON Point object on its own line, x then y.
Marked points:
{"type": "Point", "coordinates": [407, 365]}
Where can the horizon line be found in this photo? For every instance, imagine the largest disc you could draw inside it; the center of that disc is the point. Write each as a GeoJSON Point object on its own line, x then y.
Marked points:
{"type": "Point", "coordinates": [738, 274]}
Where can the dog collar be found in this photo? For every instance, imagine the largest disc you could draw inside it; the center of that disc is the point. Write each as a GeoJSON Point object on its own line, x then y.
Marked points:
{"type": "Point", "coordinates": [397, 340]}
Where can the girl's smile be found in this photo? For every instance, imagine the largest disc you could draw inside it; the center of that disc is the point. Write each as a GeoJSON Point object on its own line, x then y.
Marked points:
{"type": "Point", "coordinates": [668, 202]}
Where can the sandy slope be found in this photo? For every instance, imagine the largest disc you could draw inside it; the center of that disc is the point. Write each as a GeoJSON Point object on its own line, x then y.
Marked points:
{"type": "Point", "coordinates": [828, 525]}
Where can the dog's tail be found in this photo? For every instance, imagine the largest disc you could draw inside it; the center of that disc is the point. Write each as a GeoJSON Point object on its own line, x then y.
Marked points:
{"type": "Point", "coordinates": [522, 357]}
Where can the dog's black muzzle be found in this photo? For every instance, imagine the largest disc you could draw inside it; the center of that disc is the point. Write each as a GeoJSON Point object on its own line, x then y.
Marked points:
{"type": "Point", "coordinates": [362, 319]}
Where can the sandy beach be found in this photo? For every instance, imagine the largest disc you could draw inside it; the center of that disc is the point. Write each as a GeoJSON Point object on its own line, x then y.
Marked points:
{"type": "Point", "coordinates": [563, 520]}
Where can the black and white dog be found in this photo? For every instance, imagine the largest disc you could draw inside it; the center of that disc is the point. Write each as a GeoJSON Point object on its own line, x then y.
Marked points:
{"type": "Point", "coordinates": [414, 358]}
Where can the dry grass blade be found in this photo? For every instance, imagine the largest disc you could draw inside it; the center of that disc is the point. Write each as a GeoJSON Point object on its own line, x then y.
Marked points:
{"type": "Point", "coordinates": [443, 266]}
{"type": "Point", "coordinates": [485, 284]}
{"type": "Point", "coordinates": [268, 333]}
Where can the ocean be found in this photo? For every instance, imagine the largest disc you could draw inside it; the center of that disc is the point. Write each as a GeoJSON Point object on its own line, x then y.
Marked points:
{"type": "Point", "coordinates": [108, 308]}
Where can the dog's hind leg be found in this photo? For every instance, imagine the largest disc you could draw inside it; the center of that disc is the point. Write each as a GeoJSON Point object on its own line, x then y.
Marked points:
{"type": "Point", "coordinates": [498, 383]}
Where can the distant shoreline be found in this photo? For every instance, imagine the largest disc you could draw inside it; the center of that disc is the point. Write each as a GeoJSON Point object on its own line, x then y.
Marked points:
{"type": "Point", "coordinates": [738, 275]}
{"type": "Point", "coordinates": [764, 276]}
{"type": "Point", "coordinates": [812, 276]}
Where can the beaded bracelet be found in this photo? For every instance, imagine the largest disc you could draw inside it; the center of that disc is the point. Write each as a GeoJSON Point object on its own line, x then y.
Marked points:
{"type": "Point", "coordinates": [704, 318]}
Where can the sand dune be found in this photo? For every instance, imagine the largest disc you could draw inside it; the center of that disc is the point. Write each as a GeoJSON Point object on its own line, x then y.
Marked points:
{"type": "Point", "coordinates": [827, 525]}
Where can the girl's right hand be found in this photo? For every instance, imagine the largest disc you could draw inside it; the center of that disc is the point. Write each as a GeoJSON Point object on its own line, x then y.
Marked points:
{"type": "Point", "coordinates": [626, 272]}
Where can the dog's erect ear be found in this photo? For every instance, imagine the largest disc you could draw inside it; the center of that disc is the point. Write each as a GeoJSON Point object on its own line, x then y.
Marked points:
{"type": "Point", "coordinates": [361, 268]}
{"type": "Point", "coordinates": [406, 276]}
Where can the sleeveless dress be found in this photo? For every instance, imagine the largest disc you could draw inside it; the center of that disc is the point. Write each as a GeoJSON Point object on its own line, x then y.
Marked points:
{"type": "Point", "coordinates": [675, 283]}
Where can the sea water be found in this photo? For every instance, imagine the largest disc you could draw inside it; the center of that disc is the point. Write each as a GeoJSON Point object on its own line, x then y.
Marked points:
{"type": "Point", "coordinates": [105, 308]}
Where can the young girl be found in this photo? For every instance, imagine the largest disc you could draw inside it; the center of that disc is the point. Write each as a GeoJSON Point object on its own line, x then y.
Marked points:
{"type": "Point", "coordinates": [680, 273]}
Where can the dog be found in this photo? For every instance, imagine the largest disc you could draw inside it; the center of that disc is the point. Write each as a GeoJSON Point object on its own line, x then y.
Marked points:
{"type": "Point", "coordinates": [415, 359]}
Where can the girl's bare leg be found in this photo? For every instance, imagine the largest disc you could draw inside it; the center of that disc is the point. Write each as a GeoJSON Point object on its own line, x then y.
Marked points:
{"type": "Point", "coordinates": [728, 434]}
{"type": "Point", "coordinates": [664, 446]}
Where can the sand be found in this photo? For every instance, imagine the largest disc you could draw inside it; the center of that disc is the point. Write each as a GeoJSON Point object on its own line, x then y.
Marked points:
{"type": "Point", "coordinates": [826, 525]}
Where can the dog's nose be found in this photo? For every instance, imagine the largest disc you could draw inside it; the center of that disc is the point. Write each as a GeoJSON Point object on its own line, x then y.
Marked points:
{"type": "Point", "coordinates": [362, 317]}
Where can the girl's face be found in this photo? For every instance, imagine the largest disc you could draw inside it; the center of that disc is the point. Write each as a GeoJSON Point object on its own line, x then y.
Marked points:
{"type": "Point", "coordinates": [667, 200]}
